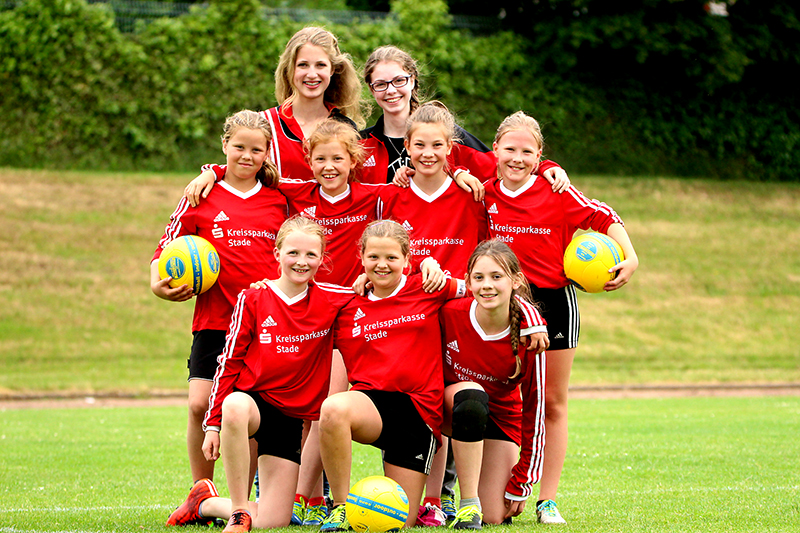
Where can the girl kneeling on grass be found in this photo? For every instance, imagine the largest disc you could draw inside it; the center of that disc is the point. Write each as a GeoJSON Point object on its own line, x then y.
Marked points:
{"type": "Point", "coordinates": [494, 350]}
{"type": "Point", "coordinates": [391, 345]}
{"type": "Point", "coordinates": [273, 374]}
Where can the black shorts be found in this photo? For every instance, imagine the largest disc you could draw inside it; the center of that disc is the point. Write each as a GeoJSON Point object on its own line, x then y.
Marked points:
{"type": "Point", "coordinates": [207, 345]}
{"type": "Point", "coordinates": [494, 432]}
{"type": "Point", "coordinates": [559, 307]}
{"type": "Point", "coordinates": [278, 434]}
{"type": "Point", "coordinates": [406, 440]}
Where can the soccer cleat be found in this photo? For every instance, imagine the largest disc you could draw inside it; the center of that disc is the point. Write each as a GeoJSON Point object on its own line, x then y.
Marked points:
{"type": "Point", "coordinates": [548, 513]}
{"type": "Point", "coordinates": [189, 511]}
{"type": "Point", "coordinates": [240, 522]}
{"type": "Point", "coordinates": [336, 521]}
{"type": "Point", "coordinates": [449, 507]}
{"type": "Point", "coordinates": [469, 517]}
{"type": "Point", "coordinates": [316, 514]}
{"type": "Point", "coordinates": [430, 516]}
{"type": "Point", "coordinates": [298, 511]}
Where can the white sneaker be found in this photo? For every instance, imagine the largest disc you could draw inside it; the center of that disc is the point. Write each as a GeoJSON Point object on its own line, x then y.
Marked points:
{"type": "Point", "coordinates": [548, 513]}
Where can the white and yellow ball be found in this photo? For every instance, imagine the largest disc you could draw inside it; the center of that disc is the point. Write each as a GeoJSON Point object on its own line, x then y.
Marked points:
{"type": "Point", "coordinates": [190, 260]}
{"type": "Point", "coordinates": [588, 258]}
{"type": "Point", "coordinates": [377, 504]}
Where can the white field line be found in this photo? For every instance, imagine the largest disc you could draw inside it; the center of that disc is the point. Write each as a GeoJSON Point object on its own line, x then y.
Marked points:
{"type": "Point", "coordinates": [84, 509]}
{"type": "Point", "coordinates": [675, 490]}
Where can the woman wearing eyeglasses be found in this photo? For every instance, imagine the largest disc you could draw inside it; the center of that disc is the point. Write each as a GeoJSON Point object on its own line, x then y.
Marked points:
{"type": "Point", "coordinates": [393, 79]}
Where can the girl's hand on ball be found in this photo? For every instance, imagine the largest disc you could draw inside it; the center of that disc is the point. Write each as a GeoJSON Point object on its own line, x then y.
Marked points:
{"type": "Point", "coordinates": [177, 294]}
{"type": "Point", "coordinates": [624, 270]}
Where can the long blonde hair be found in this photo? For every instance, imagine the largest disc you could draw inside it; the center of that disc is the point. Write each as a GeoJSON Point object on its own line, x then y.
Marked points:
{"type": "Point", "coordinates": [505, 257]}
{"type": "Point", "coordinates": [268, 173]}
{"type": "Point", "coordinates": [344, 90]}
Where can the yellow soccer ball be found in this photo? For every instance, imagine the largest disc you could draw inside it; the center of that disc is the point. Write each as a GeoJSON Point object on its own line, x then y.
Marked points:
{"type": "Point", "coordinates": [190, 260]}
{"type": "Point", "coordinates": [588, 258]}
{"type": "Point", "coordinates": [377, 504]}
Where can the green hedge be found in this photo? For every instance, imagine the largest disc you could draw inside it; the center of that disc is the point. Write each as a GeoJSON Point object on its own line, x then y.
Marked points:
{"type": "Point", "coordinates": [76, 93]}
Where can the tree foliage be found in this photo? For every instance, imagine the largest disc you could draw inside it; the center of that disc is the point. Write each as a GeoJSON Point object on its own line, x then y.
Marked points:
{"type": "Point", "coordinates": [655, 87]}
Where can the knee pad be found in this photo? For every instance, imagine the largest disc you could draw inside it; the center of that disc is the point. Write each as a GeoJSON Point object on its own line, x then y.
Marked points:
{"type": "Point", "coordinates": [470, 415]}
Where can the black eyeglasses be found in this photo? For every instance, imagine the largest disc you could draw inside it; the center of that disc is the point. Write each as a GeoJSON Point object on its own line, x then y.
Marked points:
{"type": "Point", "coordinates": [399, 81]}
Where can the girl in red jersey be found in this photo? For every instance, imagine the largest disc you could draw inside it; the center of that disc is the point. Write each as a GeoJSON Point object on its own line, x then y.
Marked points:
{"type": "Point", "coordinates": [444, 221]}
{"type": "Point", "coordinates": [241, 219]}
{"type": "Point", "coordinates": [391, 345]}
{"type": "Point", "coordinates": [538, 225]}
{"type": "Point", "coordinates": [314, 81]}
{"type": "Point", "coordinates": [393, 78]}
{"type": "Point", "coordinates": [272, 375]}
{"type": "Point", "coordinates": [497, 436]}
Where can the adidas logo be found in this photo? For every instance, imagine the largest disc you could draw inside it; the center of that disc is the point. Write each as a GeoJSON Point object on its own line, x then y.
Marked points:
{"type": "Point", "coordinates": [359, 314]}
{"type": "Point", "coordinates": [370, 162]}
{"type": "Point", "coordinates": [311, 211]}
{"type": "Point", "coordinates": [420, 457]}
{"type": "Point", "coordinates": [221, 217]}
{"type": "Point", "coordinates": [408, 227]}
{"type": "Point", "coordinates": [559, 336]}
{"type": "Point", "coordinates": [268, 322]}
{"type": "Point", "coordinates": [453, 345]}
{"type": "Point", "coordinates": [493, 209]}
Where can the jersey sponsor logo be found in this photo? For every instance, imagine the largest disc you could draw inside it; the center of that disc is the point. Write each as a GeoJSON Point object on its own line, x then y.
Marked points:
{"type": "Point", "coordinates": [221, 217]}
{"type": "Point", "coordinates": [269, 321]}
{"type": "Point", "coordinates": [370, 162]}
{"type": "Point", "coordinates": [359, 314]}
{"type": "Point", "coordinates": [311, 211]}
{"type": "Point", "coordinates": [265, 338]}
{"type": "Point", "coordinates": [356, 331]}
{"type": "Point", "coordinates": [408, 227]}
{"type": "Point", "coordinates": [467, 374]}
{"type": "Point", "coordinates": [218, 233]}
{"type": "Point", "coordinates": [529, 230]}
{"type": "Point", "coordinates": [492, 209]}
{"type": "Point", "coordinates": [453, 345]}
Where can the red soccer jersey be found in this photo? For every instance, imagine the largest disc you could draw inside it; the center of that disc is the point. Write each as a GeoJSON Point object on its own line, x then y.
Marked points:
{"type": "Point", "coordinates": [279, 347]}
{"type": "Point", "coordinates": [343, 218]}
{"type": "Point", "coordinates": [242, 227]}
{"type": "Point", "coordinates": [446, 225]}
{"type": "Point", "coordinates": [538, 224]}
{"type": "Point", "coordinates": [470, 354]}
{"type": "Point", "coordinates": [394, 344]}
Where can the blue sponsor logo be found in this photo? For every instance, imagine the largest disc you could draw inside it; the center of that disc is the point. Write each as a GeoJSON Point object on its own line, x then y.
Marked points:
{"type": "Point", "coordinates": [197, 268]}
{"type": "Point", "coordinates": [213, 262]}
{"type": "Point", "coordinates": [175, 267]}
{"type": "Point", "coordinates": [378, 507]}
{"type": "Point", "coordinates": [586, 251]}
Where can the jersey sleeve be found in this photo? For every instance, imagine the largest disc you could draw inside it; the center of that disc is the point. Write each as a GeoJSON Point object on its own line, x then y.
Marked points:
{"type": "Point", "coordinates": [532, 320]}
{"type": "Point", "coordinates": [182, 222]}
{"type": "Point", "coordinates": [218, 170]}
{"type": "Point", "coordinates": [528, 469]}
{"type": "Point", "coordinates": [587, 214]}
{"type": "Point", "coordinates": [470, 154]}
{"type": "Point", "coordinates": [237, 342]}
{"type": "Point", "coordinates": [547, 165]}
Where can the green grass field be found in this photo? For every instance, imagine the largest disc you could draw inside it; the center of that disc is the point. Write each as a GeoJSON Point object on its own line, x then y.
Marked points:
{"type": "Point", "coordinates": [723, 465]}
{"type": "Point", "coordinates": [714, 301]}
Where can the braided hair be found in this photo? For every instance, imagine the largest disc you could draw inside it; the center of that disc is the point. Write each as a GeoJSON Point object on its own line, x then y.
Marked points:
{"type": "Point", "coordinates": [504, 256]}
